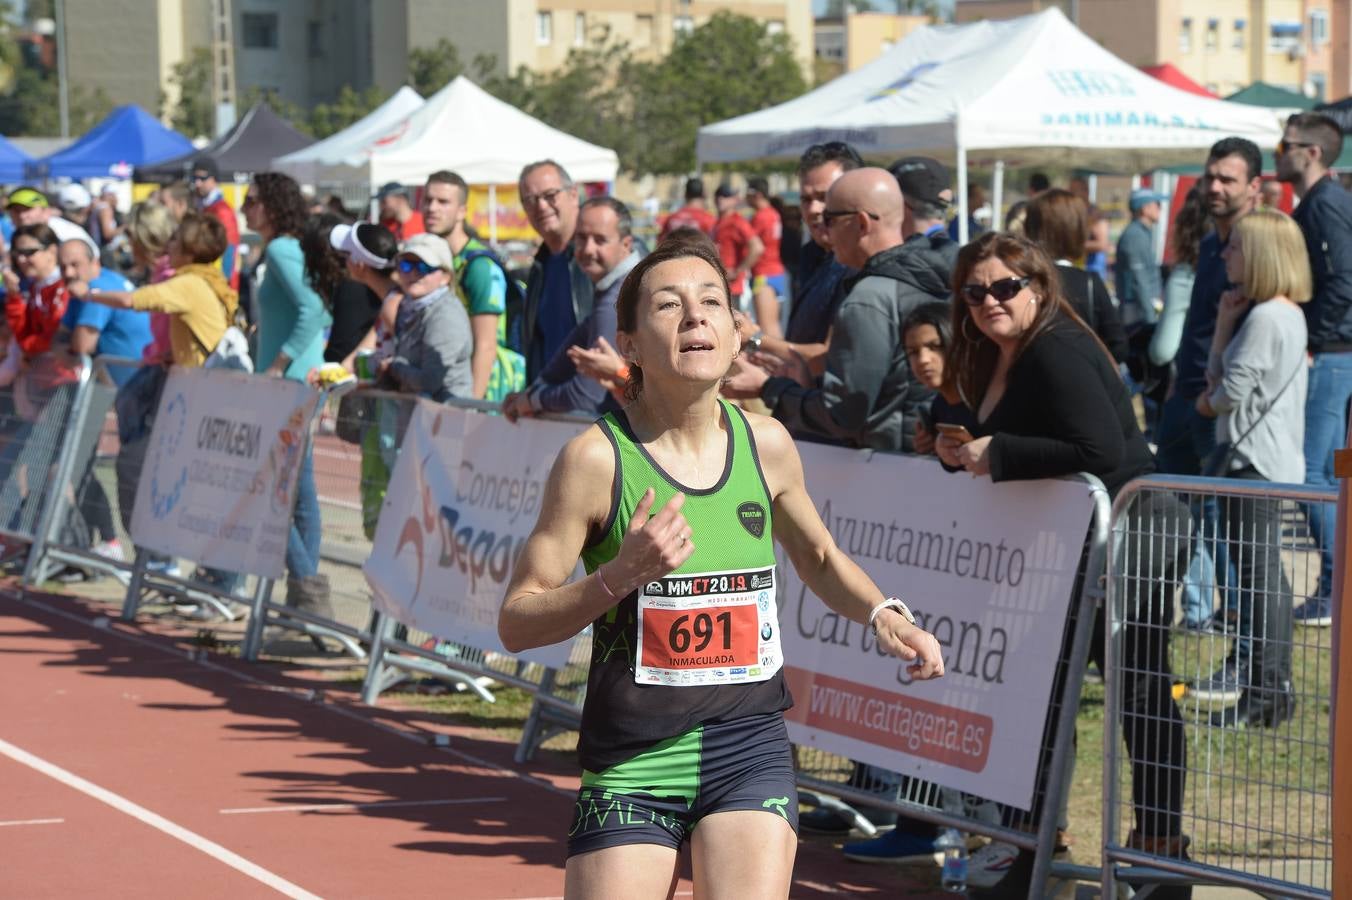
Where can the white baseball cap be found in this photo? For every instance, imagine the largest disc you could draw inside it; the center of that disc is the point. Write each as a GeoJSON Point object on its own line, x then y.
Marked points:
{"type": "Point", "coordinates": [74, 196]}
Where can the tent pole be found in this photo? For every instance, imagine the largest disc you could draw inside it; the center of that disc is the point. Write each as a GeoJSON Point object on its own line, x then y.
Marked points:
{"type": "Point", "coordinates": [963, 236]}
{"type": "Point", "coordinates": [493, 214]}
{"type": "Point", "coordinates": [998, 196]}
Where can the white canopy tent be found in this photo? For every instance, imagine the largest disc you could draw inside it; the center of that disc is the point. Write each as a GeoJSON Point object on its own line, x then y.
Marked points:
{"type": "Point", "coordinates": [484, 140]}
{"type": "Point", "coordinates": [335, 158]}
{"type": "Point", "coordinates": [1034, 88]}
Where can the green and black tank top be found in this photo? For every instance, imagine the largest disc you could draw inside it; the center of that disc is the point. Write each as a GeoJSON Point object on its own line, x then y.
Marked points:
{"type": "Point", "coordinates": [700, 645]}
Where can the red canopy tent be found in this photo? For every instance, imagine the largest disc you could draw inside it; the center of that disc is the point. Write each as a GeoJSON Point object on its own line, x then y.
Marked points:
{"type": "Point", "coordinates": [1170, 75]}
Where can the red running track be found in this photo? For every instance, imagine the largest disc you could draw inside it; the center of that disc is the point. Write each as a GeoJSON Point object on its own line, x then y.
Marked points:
{"type": "Point", "coordinates": [128, 769]}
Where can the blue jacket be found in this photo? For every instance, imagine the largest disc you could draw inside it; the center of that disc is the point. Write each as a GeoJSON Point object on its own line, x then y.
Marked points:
{"type": "Point", "coordinates": [1325, 217]}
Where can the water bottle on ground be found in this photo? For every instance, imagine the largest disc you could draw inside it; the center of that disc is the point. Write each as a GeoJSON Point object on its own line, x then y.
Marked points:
{"type": "Point", "coordinates": [954, 847]}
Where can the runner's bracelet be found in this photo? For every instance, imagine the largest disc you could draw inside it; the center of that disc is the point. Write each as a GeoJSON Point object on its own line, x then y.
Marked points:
{"type": "Point", "coordinates": [890, 603]}
{"type": "Point", "coordinates": [605, 587]}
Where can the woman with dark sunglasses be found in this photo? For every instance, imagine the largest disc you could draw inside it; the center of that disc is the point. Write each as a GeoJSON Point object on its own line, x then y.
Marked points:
{"type": "Point", "coordinates": [35, 296]}
{"type": "Point", "coordinates": [291, 324]}
{"type": "Point", "coordinates": [1049, 402]}
{"type": "Point", "coordinates": [433, 341]}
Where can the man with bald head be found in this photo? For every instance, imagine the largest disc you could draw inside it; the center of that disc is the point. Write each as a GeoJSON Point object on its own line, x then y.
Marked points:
{"type": "Point", "coordinates": [866, 397]}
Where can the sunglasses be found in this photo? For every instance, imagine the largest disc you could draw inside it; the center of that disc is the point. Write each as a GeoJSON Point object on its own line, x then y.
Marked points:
{"type": "Point", "coordinates": [196, 177]}
{"type": "Point", "coordinates": [26, 251]}
{"type": "Point", "coordinates": [830, 215]}
{"type": "Point", "coordinates": [409, 266]}
{"type": "Point", "coordinates": [1284, 146]}
{"type": "Point", "coordinates": [1004, 290]}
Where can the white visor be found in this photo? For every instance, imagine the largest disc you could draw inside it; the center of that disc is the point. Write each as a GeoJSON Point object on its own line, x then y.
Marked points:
{"type": "Point", "coordinates": [343, 238]}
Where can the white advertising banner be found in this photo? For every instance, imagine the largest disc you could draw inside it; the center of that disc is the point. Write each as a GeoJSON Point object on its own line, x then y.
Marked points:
{"type": "Point", "coordinates": [988, 569]}
{"type": "Point", "coordinates": [219, 480]}
{"type": "Point", "coordinates": [463, 498]}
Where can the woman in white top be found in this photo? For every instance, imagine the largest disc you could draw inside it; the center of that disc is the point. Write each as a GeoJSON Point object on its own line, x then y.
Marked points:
{"type": "Point", "coordinates": [1257, 381]}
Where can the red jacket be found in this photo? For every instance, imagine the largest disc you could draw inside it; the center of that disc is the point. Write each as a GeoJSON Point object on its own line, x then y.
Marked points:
{"type": "Point", "coordinates": [225, 214]}
{"type": "Point", "coordinates": [34, 317]}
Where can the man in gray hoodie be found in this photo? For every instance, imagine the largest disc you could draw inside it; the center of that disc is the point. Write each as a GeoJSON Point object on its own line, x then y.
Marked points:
{"type": "Point", "coordinates": [866, 397]}
{"type": "Point", "coordinates": [603, 248]}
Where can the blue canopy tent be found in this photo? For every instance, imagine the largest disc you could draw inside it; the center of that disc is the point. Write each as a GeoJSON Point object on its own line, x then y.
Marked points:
{"type": "Point", "coordinates": [129, 137]}
{"type": "Point", "coordinates": [12, 161]}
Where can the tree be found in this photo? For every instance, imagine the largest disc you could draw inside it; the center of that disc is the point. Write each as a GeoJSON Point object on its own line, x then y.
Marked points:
{"type": "Point", "coordinates": [432, 68]}
{"type": "Point", "coordinates": [351, 105]}
{"type": "Point", "coordinates": [193, 112]}
{"type": "Point", "coordinates": [729, 66]}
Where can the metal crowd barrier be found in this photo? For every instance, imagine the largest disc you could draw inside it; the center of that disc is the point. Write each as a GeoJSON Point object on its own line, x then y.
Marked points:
{"type": "Point", "coordinates": [38, 410]}
{"type": "Point", "coordinates": [1256, 800]}
{"type": "Point", "coordinates": [834, 782]}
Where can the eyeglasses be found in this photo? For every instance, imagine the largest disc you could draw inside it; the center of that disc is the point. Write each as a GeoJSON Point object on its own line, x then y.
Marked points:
{"type": "Point", "coordinates": [1284, 146]}
{"type": "Point", "coordinates": [1004, 290]}
{"type": "Point", "coordinates": [408, 266]}
{"type": "Point", "coordinates": [26, 251]}
{"type": "Point", "coordinates": [551, 197]}
{"type": "Point", "coordinates": [830, 215]}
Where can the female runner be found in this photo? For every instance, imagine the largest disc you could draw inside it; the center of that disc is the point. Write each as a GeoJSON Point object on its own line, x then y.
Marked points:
{"type": "Point", "coordinates": [672, 505]}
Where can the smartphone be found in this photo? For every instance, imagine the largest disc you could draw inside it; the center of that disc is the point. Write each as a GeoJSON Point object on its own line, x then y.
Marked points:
{"type": "Point", "coordinates": [958, 433]}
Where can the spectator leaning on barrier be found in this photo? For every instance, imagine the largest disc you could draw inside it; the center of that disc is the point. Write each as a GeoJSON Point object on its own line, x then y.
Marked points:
{"type": "Point", "coordinates": [212, 202]}
{"type": "Point", "coordinates": [603, 247]}
{"type": "Point", "coordinates": [1049, 402]}
{"type": "Point", "coordinates": [95, 329]}
{"type": "Point", "coordinates": [1138, 276]}
{"type": "Point", "coordinates": [867, 397]}
{"type": "Point", "coordinates": [558, 293]}
{"type": "Point", "coordinates": [1256, 385]}
{"type": "Point", "coordinates": [1309, 146]}
{"type": "Point", "coordinates": [498, 369]}
{"type": "Point", "coordinates": [35, 296]}
{"type": "Point", "coordinates": [291, 327]}
{"type": "Point", "coordinates": [1230, 182]}
{"type": "Point", "coordinates": [432, 340]}
{"type": "Point", "coordinates": [695, 214]}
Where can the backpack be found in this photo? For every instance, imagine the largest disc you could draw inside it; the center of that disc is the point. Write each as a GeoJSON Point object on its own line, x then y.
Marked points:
{"type": "Point", "coordinates": [515, 300]}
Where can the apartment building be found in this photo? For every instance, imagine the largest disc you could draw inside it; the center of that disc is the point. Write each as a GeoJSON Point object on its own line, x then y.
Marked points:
{"type": "Point", "coordinates": [1301, 45]}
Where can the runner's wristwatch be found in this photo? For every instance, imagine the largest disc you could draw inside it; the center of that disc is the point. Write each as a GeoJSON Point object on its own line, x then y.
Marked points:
{"type": "Point", "coordinates": [890, 603]}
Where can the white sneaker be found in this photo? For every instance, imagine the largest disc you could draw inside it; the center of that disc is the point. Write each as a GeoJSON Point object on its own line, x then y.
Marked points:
{"type": "Point", "coordinates": [990, 864]}
{"type": "Point", "coordinates": [110, 550]}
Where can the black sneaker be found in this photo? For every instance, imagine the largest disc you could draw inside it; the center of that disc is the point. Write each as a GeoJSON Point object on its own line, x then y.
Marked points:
{"type": "Point", "coordinates": [1258, 707]}
{"type": "Point", "coordinates": [1222, 686]}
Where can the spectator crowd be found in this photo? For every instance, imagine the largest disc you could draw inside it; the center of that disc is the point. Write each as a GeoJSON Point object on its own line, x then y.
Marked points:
{"type": "Point", "coordinates": [1009, 357]}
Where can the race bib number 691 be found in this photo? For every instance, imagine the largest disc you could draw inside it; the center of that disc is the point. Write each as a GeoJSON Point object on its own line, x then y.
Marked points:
{"type": "Point", "coordinates": [708, 628]}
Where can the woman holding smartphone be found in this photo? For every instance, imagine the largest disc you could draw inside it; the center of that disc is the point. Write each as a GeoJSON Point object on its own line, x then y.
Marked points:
{"type": "Point", "coordinates": [1049, 402]}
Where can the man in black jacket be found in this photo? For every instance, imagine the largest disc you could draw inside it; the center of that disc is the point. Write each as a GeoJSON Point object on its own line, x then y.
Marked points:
{"type": "Point", "coordinates": [866, 397]}
{"type": "Point", "coordinates": [558, 293]}
{"type": "Point", "coordinates": [1309, 146]}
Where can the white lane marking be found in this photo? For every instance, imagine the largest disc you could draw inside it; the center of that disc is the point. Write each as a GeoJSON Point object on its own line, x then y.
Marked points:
{"type": "Point", "coordinates": [304, 695]}
{"type": "Point", "coordinates": [324, 807]}
{"type": "Point", "coordinates": [158, 822]}
{"type": "Point", "coordinates": [32, 822]}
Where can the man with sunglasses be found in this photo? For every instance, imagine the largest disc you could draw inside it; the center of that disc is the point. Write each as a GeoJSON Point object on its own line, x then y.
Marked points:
{"type": "Point", "coordinates": [867, 397]}
{"type": "Point", "coordinates": [559, 294]}
{"type": "Point", "coordinates": [1308, 148]}
{"type": "Point", "coordinates": [212, 202]}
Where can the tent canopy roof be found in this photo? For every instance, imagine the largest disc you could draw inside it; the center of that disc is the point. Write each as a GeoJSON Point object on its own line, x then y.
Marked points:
{"type": "Point", "coordinates": [128, 137]}
{"type": "Point", "coordinates": [1260, 93]}
{"type": "Point", "coordinates": [1035, 89]}
{"type": "Point", "coordinates": [465, 129]}
{"type": "Point", "coordinates": [1339, 111]}
{"type": "Point", "coordinates": [1170, 75]}
{"type": "Point", "coordinates": [12, 161]}
{"type": "Point", "coordinates": [352, 146]}
{"type": "Point", "coordinates": [248, 147]}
